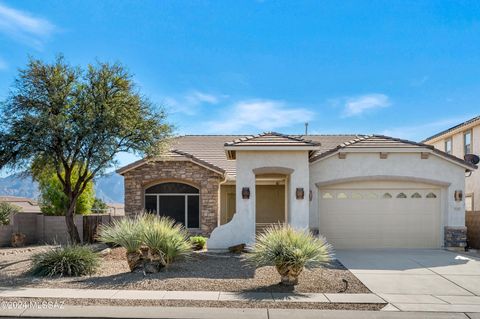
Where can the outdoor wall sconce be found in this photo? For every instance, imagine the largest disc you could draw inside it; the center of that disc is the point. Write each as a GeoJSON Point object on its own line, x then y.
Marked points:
{"type": "Point", "coordinates": [245, 193]}
{"type": "Point", "coordinates": [300, 193]}
{"type": "Point", "coordinates": [458, 196]}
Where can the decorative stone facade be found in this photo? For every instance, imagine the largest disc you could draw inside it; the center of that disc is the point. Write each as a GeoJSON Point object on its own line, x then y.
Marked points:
{"type": "Point", "coordinates": [207, 181]}
{"type": "Point", "coordinates": [455, 236]}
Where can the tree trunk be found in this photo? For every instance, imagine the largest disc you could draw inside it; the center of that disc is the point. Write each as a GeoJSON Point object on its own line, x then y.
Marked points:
{"type": "Point", "coordinates": [71, 227]}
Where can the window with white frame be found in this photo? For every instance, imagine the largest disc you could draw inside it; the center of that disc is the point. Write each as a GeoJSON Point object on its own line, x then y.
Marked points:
{"type": "Point", "coordinates": [448, 146]}
{"type": "Point", "coordinates": [179, 201]}
{"type": "Point", "coordinates": [467, 142]}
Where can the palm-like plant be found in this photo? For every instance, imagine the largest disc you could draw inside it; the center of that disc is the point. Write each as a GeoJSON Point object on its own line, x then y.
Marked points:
{"type": "Point", "coordinates": [290, 251]}
{"type": "Point", "coordinates": [127, 233]}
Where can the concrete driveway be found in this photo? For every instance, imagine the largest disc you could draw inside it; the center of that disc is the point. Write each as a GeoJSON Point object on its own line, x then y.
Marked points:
{"type": "Point", "coordinates": [415, 272]}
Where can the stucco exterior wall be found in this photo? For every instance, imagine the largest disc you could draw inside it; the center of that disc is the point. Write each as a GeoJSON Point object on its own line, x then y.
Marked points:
{"type": "Point", "coordinates": [472, 183]}
{"type": "Point", "coordinates": [242, 227]}
{"type": "Point", "coordinates": [398, 165]}
{"type": "Point", "coordinates": [207, 181]}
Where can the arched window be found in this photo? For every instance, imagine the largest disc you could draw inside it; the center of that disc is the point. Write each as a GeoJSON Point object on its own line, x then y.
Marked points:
{"type": "Point", "coordinates": [416, 195]}
{"type": "Point", "coordinates": [327, 195]}
{"type": "Point", "coordinates": [176, 200]}
{"type": "Point", "coordinates": [431, 195]}
{"type": "Point", "coordinates": [342, 195]}
{"type": "Point", "coordinates": [401, 195]}
{"type": "Point", "coordinates": [387, 195]}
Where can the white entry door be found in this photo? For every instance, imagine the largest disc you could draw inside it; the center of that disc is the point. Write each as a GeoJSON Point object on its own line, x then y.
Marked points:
{"type": "Point", "coordinates": [381, 215]}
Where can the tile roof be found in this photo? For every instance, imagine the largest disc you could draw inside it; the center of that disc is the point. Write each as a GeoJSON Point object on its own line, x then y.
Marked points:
{"type": "Point", "coordinates": [271, 139]}
{"type": "Point", "coordinates": [453, 128]}
{"type": "Point", "coordinates": [382, 141]}
{"type": "Point", "coordinates": [209, 150]}
{"type": "Point", "coordinates": [27, 205]}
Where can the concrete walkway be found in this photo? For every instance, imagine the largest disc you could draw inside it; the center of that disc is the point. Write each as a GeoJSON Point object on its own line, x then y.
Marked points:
{"type": "Point", "coordinates": [221, 313]}
{"type": "Point", "coordinates": [186, 295]}
{"type": "Point", "coordinates": [396, 302]}
{"type": "Point", "coordinates": [418, 280]}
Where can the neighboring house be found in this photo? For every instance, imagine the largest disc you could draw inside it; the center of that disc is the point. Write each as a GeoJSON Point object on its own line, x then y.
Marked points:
{"type": "Point", "coordinates": [26, 205]}
{"type": "Point", "coordinates": [460, 140]}
{"type": "Point", "coordinates": [359, 191]}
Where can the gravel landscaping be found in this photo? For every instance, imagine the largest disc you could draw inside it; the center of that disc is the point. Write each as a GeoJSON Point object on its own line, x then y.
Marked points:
{"type": "Point", "coordinates": [202, 303]}
{"type": "Point", "coordinates": [202, 272]}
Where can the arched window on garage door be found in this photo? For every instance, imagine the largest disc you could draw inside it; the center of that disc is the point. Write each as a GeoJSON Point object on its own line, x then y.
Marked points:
{"type": "Point", "coordinates": [177, 200]}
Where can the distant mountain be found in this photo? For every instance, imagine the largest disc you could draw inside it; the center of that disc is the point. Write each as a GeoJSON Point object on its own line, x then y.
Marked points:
{"type": "Point", "coordinates": [108, 187]}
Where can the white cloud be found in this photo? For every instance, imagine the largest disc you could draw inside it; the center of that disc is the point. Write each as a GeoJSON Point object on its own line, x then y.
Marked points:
{"type": "Point", "coordinates": [190, 102]}
{"type": "Point", "coordinates": [260, 115]}
{"type": "Point", "coordinates": [358, 105]}
{"type": "Point", "coordinates": [23, 27]}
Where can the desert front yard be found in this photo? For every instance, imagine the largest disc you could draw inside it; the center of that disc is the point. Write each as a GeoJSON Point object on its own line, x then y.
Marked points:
{"type": "Point", "coordinates": [202, 272]}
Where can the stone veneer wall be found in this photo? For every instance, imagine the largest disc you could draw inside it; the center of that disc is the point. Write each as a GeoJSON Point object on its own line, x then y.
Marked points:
{"type": "Point", "coordinates": [455, 237]}
{"type": "Point", "coordinates": [140, 178]}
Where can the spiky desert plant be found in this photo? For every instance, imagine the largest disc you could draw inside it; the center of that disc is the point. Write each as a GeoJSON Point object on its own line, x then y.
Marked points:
{"type": "Point", "coordinates": [68, 261]}
{"type": "Point", "coordinates": [290, 251]}
{"type": "Point", "coordinates": [166, 239]}
{"type": "Point", "coordinates": [127, 233]}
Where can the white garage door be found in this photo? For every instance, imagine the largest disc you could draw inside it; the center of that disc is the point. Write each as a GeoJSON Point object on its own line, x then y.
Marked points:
{"type": "Point", "coordinates": [381, 215]}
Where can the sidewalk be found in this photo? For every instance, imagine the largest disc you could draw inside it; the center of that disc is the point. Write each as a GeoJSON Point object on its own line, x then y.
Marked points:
{"type": "Point", "coordinates": [186, 295]}
{"type": "Point", "coordinates": [396, 302]}
{"type": "Point", "coordinates": [221, 313]}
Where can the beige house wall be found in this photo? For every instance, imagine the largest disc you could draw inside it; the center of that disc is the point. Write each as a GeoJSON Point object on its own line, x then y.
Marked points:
{"type": "Point", "coordinates": [270, 205]}
{"type": "Point", "coordinates": [472, 182]}
{"type": "Point", "coordinates": [227, 203]}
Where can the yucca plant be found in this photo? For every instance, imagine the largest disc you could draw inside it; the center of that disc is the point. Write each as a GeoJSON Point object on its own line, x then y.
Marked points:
{"type": "Point", "coordinates": [290, 251]}
{"type": "Point", "coordinates": [65, 261]}
{"type": "Point", "coordinates": [127, 233]}
{"type": "Point", "coordinates": [166, 240]}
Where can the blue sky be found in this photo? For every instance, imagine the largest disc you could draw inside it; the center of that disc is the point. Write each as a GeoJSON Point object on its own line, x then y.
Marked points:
{"type": "Point", "coordinates": [401, 68]}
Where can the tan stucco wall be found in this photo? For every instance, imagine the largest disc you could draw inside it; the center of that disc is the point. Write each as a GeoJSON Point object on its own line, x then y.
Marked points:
{"type": "Point", "coordinates": [472, 183]}
{"type": "Point", "coordinates": [397, 166]}
{"type": "Point", "coordinates": [242, 227]}
{"type": "Point", "coordinates": [227, 203]}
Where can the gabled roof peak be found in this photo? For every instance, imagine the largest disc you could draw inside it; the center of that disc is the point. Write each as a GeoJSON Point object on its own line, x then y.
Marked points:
{"type": "Point", "coordinates": [271, 139]}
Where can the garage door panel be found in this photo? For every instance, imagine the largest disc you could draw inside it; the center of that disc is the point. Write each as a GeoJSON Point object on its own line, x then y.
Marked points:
{"type": "Point", "coordinates": [376, 218]}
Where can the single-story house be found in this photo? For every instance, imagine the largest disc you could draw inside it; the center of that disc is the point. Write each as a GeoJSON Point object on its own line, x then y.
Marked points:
{"type": "Point", "coordinates": [359, 191]}
{"type": "Point", "coordinates": [26, 205]}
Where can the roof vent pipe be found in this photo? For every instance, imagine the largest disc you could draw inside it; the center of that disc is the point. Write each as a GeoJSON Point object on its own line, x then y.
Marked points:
{"type": "Point", "coordinates": [306, 128]}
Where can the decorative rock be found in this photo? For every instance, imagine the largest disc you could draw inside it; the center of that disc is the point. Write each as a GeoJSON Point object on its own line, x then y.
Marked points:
{"type": "Point", "coordinates": [18, 240]}
{"type": "Point", "coordinates": [237, 249]}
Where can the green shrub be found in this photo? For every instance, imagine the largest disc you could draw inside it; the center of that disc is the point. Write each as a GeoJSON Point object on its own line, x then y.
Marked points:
{"type": "Point", "coordinates": [7, 211]}
{"type": "Point", "coordinates": [68, 261]}
{"type": "Point", "coordinates": [163, 236]}
{"type": "Point", "coordinates": [289, 251]}
{"type": "Point", "coordinates": [198, 242]}
{"type": "Point", "coordinates": [125, 232]}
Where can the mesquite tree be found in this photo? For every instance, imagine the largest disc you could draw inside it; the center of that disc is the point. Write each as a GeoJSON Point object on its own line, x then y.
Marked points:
{"type": "Point", "coordinates": [77, 120]}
